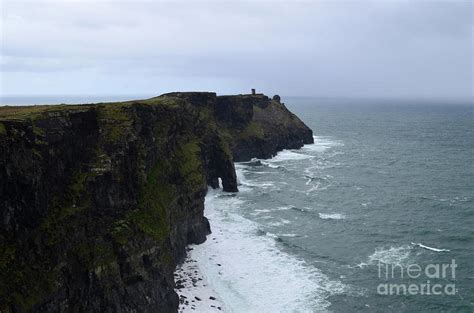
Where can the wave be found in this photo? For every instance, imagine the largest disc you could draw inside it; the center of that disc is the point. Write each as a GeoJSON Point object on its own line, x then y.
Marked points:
{"type": "Point", "coordinates": [331, 216]}
{"type": "Point", "coordinates": [393, 255]}
{"type": "Point", "coordinates": [302, 210]}
{"type": "Point", "coordinates": [247, 184]}
{"type": "Point", "coordinates": [253, 274]}
{"type": "Point", "coordinates": [430, 248]}
{"type": "Point", "coordinates": [252, 162]}
{"type": "Point", "coordinates": [289, 155]}
{"type": "Point", "coordinates": [281, 222]}
{"type": "Point", "coordinates": [284, 208]}
{"type": "Point", "coordinates": [258, 211]}
{"type": "Point", "coordinates": [289, 235]}
{"type": "Point", "coordinates": [311, 178]}
{"type": "Point", "coordinates": [257, 163]}
{"type": "Point", "coordinates": [270, 165]}
{"type": "Point", "coordinates": [321, 144]}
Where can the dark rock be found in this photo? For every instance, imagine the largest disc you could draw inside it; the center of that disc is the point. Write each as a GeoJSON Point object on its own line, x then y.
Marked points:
{"type": "Point", "coordinates": [98, 202]}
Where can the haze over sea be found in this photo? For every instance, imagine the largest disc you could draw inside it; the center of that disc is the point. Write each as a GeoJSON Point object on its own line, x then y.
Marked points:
{"type": "Point", "coordinates": [386, 181]}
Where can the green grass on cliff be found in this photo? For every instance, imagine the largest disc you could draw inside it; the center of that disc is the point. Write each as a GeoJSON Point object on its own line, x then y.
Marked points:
{"type": "Point", "coordinates": [253, 130]}
{"type": "Point", "coordinates": [115, 121]}
{"type": "Point", "coordinates": [156, 196]}
{"type": "Point", "coordinates": [55, 224]}
{"type": "Point", "coordinates": [3, 130]}
{"type": "Point", "coordinates": [32, 112]}
{"type": "Point", "coordinates": [35, 111]}
{"type": "Point", "coordinates": [190, 165]}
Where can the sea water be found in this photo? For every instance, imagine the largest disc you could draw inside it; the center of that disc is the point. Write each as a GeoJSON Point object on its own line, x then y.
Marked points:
{"type": "Point", "coordinates": [386, 185]}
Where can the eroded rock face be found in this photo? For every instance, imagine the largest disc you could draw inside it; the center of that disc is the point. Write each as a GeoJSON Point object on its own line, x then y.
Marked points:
{"type": "Point", "coordinates": [261, 127]}
{"type": "Point", "coordinates": [99, 201]}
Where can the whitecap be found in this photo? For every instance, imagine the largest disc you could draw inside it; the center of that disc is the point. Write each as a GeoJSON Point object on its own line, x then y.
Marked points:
{"type": "Point", "coordinates": [289, 235]}
{"type": "Point", "coordinates": [268, 164]}
{"type": "Point", "coordinates": [248, 184]}
{"type": "Point", "coordinates": [393, 255]}
{"type": "Point", "coordinates": [281, 222]}
{"type": "Point", "coordinates": [430, 248]}
{"type": "Point", "coordinates": [284, 208]}
{"type": "Point", "coordinates": [289, 155]}
{"type": "Point", "coordinates": [262, 210]}
{"type": "Point", "coordinates": [272, 235]}
{"type": "Point", "coordinates": [331, 216]}
{"type": "Point", "coordinates": [321, 144]}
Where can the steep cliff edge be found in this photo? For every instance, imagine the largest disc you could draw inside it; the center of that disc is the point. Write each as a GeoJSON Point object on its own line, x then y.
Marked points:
{"type": "Point", "coordinates": [99, 201]}
{"type": "Point", "coordinates": [255, 126]}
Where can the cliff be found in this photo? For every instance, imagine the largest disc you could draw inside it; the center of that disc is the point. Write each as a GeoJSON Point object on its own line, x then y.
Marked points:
{"type": "Point", "coordinates": [99, 201]}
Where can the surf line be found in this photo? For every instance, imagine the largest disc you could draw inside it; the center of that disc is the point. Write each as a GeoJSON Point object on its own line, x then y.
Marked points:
{"type": "Point", "coordinates": [430, 248]}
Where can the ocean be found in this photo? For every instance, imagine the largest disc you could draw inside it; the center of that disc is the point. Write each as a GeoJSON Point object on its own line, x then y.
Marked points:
{"type": "Point", "coordinates": [376, 216]}
{"type": "Point", "coordinates": [364, 220]}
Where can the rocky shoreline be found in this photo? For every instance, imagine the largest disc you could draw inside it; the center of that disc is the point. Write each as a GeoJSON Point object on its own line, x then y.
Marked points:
{"type": "Point", "coordinates": [194, 289]}
{"type": "Point", "coordinates": [99, 201]}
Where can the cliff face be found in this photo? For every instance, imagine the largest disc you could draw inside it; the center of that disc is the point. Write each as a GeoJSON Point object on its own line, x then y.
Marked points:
{"type": "Point", "coordinates": [99, 201]}
{"type": "Point", "coordinates": [254, 126]}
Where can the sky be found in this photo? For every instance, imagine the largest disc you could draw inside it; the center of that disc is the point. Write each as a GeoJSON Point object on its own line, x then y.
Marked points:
{"type": "Point", "coordinates": [390, 49]}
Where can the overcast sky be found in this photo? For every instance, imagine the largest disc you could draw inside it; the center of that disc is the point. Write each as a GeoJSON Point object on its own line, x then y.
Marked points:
{"type": "Point", "coordinates": [306, 48]}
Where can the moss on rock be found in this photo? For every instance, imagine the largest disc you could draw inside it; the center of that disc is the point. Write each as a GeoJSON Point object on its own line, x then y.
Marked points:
{"type": "Point", "coordinates": [156, 196]}
{"type": "Point", "coordinates": [190, 165]}
{"type": "Point", "coordinates": [3, 130]}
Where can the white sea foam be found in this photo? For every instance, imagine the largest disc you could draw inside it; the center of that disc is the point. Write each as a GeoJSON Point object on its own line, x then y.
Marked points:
{"type": "Point", "coordinates": [259, 211]}
{"type": "Point", "coordinates": [289, 155]}
{"type": "Point", "coordinates": [393, 255]}
{"type": "Point", "coordinates": [271, 235]}
{"type": "Point", "coordinates": [315, 187]}
{"type": "Point", "coordinates": [240, 173]}
{"type": "Point", "coordinates": [270, 165]}
{"type": "Point", "coordinates": [331, 216]}
{"type": "Point", "coordinates": [281, 222]}
{"type": "Point", "coordinates": [289, 235]}
{"type": "Point", "coordinates": [321, 144]}
{"type": "Point", "coordinates": [244, 184]}
{"type": "Point", "coordinates": [194, 290]}
{"type": "Point", "coordinates": [249, 273]}
{"type": "Point", "coordinates": [284, 208]}
{"type": "Point", "coordinates": [430, 248]}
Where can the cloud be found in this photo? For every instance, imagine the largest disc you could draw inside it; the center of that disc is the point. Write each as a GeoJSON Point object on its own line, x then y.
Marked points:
{"type": "Point", "coordinates": [354, 48]}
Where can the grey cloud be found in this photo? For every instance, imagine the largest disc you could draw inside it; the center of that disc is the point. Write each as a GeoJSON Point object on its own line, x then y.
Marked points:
{"type": "Point", "coordinates": [354, 48]}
